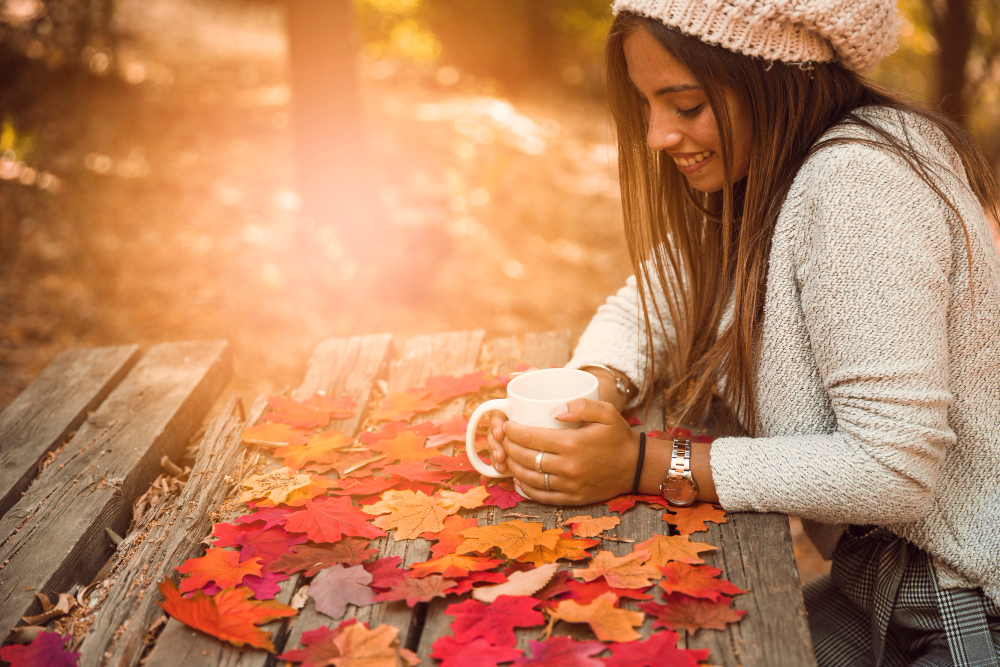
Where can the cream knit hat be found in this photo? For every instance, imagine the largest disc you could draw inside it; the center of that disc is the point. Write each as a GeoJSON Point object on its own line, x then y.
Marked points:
{"type": "Point", "coordinates": [857, 33]}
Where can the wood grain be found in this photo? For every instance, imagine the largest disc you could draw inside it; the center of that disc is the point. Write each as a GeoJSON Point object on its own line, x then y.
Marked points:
{"type": "Point", "coordinates": [51, 407]}
{"type": "Point", "coordinates": [55, 534]}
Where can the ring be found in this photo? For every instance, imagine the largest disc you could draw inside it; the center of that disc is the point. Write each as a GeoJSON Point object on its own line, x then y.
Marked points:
{"type": "Point", "coordinates": [547, 487]}
{"type": "Point", "coordinates": [538, 461]}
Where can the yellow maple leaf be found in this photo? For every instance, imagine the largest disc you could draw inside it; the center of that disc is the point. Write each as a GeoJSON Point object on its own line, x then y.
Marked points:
{"type": "Point", "coordinates": [275, 486]}
{"type": "Point", "coordinates": [625, 572]}
{"type": "Point", "coordinates": [588, 526]}
{"type": "Point", "coordinates": [567, 548]}
{"type": "Point", "coordinates": [609, 623]}
{"type": "Point", "coordinates": [665, 548]}
{"type": "Point", "coordinates": [513, 538]}
{"type": "Point", "coordinates": [453, 501]}
{"type": "Point", "coordinates": [410, 513]}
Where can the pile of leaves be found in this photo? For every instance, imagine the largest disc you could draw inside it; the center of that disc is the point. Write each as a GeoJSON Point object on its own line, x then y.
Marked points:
{"type": "Point", "coordinates": [330, 494]}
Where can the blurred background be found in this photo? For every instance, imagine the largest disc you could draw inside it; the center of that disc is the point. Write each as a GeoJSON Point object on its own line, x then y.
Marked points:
{"type": "Point", "coordinates": [275, 172]}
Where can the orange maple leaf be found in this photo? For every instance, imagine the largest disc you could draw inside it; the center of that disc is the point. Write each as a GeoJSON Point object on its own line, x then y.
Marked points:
{"type": "Point", "coordinates": [406, 447]}
{"type": "Point", "coordinates": [322, 448]}
{"type": "Point", "coordinates": [453, 565]}
{"type": "Point", "coordinates": [217, 565]}
{"type": "Point", "coordinates": [295, 414]}
{"type": "Point", "coordinates": [403, 405]}
{"type": "Point", "coordinates": [692, 614]}
{"type": "Point", "coordinates": [609, 623]}
{"type": "Point", "coordinates": [273, 435]}
{"type": "Point", "coordinates": [453, 501]}
{"type": "Point", "coordinates": [512, 538]}
{"type": "Point", "coordinates": [410, 513]}
{"type": "Point", "coordinates": [228, 615]}
{"type": "Point", "coordinates": [624, 572]}
{"type": "Point", "coordinates": [698, 581]}
{"type": "Point", "coordinates": [588, 526]}
{"type": "Point", "coordinates": [665, 548]}
{"type": "Point", "coordinates": [692, 519]}
{"type": "Point", "coordinates": [567, 548]}
{"type": "Point", "coordinates": [361, 647]}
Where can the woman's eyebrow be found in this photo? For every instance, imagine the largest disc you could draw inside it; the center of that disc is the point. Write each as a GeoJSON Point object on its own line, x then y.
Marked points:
{"type": "Point", "coordinates": [677, 89]}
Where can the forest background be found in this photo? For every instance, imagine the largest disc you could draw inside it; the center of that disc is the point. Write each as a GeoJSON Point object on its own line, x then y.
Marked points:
{"type": "Point", "coordinates": [276, 172]}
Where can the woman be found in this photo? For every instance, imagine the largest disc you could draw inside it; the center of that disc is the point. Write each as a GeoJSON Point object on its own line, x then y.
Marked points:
{"type": "Point", "coordinates": [815, 272]}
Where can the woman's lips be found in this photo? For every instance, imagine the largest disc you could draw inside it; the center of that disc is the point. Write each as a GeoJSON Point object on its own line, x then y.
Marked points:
{"type": "Point", "coordinates": [690, 165]}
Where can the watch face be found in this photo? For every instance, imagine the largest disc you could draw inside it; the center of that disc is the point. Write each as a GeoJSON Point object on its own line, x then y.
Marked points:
{"type": "Point", "coordinates": [679, 491]}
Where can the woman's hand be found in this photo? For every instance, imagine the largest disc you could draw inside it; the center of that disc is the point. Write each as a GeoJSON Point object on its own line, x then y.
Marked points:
{"type": "Point", "coordinates": [585, 465]}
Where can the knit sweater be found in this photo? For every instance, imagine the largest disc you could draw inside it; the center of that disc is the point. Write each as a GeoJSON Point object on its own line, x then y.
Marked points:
{"type": "Point", "coordinates": [878, 365]}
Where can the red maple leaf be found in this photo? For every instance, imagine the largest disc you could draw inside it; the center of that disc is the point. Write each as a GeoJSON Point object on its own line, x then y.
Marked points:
{"type": "Point", "coordinates": [691, 614]}
{"type": "Point", "coordinates": [327, 519]}
{"type": "Point", "coordinates": [446, 387]}
{"type": "Point", "coordinates": [295, 414]}
{"type": "Point", "coordinates": [585, 593]}
{"type": "Point", "coordinates": [264, 587]}
{"type": "Point", "coordinates": [478, 653]}
{"type": "Point", "coordinates": [45, 651]}
{"type": "Point", "coordinates": [319, 648]}
{"type": "Point", "coordinates": [386, 572]}
{"type": "Point", "coordinates": [265, 543]}
{"type": "Point", "coordinates": [659, 649]}
{"type": "Point", "coordinates": [457, 463]}
{"type": "Point", "coordinates": [622, 503]}
{"type": "Point", "coordinates": [449, 538]}
{"type": "Point", "coordinates": [467, 583]}
{"type": "Point", "coordinates": [502, 495]}
{"type": "Point", "coordinates": [271, 516]}
{"type": "Point", "coordinates": [494, 622]}
{"type": "Point", "coordinates": [230, 616]}
{"type": "Point", "coordinates": [417, 590]}
{"type": "Point", "coordinates": [698, 581]}
{"type": "Point", "coordinates": [219, 566]}
{"type": "Point", "coordinates": [449, 431]}
{"type": "Point", "coordinates": [311, 559]}
{"type": "Point", "coordinates": [562, 652]}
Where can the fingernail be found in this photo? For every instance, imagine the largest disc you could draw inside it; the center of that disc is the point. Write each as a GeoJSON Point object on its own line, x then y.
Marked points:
{"type": "Point", "coordinates": [561, 411]}
{"type": "Point", "coordinates": [497, 433]}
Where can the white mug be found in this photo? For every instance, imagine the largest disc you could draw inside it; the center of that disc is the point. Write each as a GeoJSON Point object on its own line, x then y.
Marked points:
{"type": "Point", "coordinates": [531, 398]}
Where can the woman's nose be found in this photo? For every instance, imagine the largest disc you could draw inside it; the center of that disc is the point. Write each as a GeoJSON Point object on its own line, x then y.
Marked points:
{"type": "Point", "coordinates": [662, 136]}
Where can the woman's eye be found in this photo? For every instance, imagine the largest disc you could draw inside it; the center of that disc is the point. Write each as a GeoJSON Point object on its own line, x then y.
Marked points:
{"type": "Point", "coordinates": [690, 113]}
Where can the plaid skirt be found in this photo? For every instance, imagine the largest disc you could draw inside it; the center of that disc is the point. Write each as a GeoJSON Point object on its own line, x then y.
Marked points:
{"type": "Point", "coordinates": [881, 606]}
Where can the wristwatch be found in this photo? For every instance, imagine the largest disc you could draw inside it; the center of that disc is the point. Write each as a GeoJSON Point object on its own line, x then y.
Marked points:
{"type": "Point", "coordinates": [620, 383]}
{"type": "Point", "coordinates": [678, 488]}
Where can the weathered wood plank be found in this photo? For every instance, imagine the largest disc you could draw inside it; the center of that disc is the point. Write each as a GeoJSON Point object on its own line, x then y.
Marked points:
{"type": "Point", "coordinates": [164, 539]}
{"type": "Point", "coordinates": [340, 367]}
{"type": "Point", "coordinates": [53, 406]}
{"type": "Point", "coordinates": [421, 357]}
{"type": "Point", "coordinates": [55, 533]}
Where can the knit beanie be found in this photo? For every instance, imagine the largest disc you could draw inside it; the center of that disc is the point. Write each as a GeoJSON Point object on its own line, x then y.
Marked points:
{"type": "Point", "coordinates": [856, 33]}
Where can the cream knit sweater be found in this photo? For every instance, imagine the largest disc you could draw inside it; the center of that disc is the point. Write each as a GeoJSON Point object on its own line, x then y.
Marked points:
{"type": "Point", "coordinates": [878, 393]}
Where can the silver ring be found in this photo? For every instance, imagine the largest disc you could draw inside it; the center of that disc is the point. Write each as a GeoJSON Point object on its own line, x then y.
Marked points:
{"type": "Point", "coordinates": [547, 487]}
{"type": "Point", "coordinates": [538, 461]}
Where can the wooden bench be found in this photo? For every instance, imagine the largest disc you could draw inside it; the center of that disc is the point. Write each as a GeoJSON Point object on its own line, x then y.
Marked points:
{"type": "Point", "coordinates": [102, 419]}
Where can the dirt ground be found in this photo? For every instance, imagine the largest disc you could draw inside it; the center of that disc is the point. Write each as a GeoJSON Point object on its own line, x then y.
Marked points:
{"type": "Point", "coordinates": [177, 216]}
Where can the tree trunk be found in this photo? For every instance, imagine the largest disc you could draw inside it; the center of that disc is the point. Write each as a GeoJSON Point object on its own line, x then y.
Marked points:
{"type": "Point", "coordinates": [953, 24]}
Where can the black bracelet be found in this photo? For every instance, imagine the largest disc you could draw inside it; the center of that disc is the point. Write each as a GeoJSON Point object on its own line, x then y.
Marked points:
{"type": "Point", "coordinates": [638, 466]}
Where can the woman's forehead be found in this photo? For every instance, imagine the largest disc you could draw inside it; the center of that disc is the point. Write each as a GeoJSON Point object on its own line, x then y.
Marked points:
{"type": "Point", "coordinates": [653, 68]}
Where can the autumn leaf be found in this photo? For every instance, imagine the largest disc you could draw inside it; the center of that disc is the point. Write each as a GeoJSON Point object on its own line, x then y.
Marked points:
{"type": "Point", "coordinates": [337, 586]}
{"type": "Point", "coordinates": [328, 519]}
{"type": "Point", "coordinates": [448, 431]}
{"type": "Point", "coordinates": [366, 486]}
{"type": "Point", "coordinates": [266, 586]}
{"type": "Point", "coordinates": [588, 526]}
{"type": "Point", "coordinates": [608, 622]}
{"type": "Point", "coordinates": [512, 538]}
{"type": "Point", "coordinates": [361, 647]}
{"type": "Point", "coordinates": [416, 472]}
{"type": "Point", "coordinates": [318, 649]}
{"type": "Point", "coordinates": [692, 519]}
{"type": "Point", "coordinates": [45, 651]}
{"type": "Point", "coordinates": [494, 622]}
{"type": "Point", "coordinates": [409, 513]}
{"type": "Point", "coordinates": [660, 649]}
{"type": "Point", "coordinates": [478, 653]}
{"type": "Point", "coordinates": [584, 593]}
{"type": "Point", "coordinates": [271, 516]}
{"type": "Point", "coordinates": [217, 565]}
{"type": "Point", "coordinates": [469, 582]}
{"type": "Point", "coordinates": [295, 414]}
{"type": "Point", "coordinates": [442, 388]}
{"type": "Point", "coordinates": [254, 541]}
{"type": "Point", "coordinates": [450, 537]}
{"type": "Point", "coordinates": [230, 615]}
{"type": "Point", "coordinates": [403, 405]}
{"type": "Point", "coordinates": [273, 435]}
{"type": "Point", "coordinates": [502, 495]}
{"type": "Point", "coordinates": [454, 501]}
{"type": "Point", "coordinates": [322, 448]}
{"type": "Point", "coordinates": [622, 503]}
{"type": "Point", "coordinates": [625, 572]}
{"type": "Point", "coordinates": [407, 447]}
{"type": "Point", "coordinates": [568, 548]}
{"type": "Point", "coordinates": [417, 590]}
{"type": "Point", "coordinates": [683, 612]}
{"type": "Point", "coordinates": [562, 652]}
{"type": "Point", "coordinates": [528, 582]}
{"type": "Point", "coordinates": [275, 486]}
{"type": "Point", "coordinates": [453, 565]}
{"type": "Point", "coordinates": [311, 559]}
{"type": "Point", "coordinates": [666, 548]}
{"type": "Point", "coordinates": [698, 581]}
{"type": "Point", "coordinates": [458, 463]}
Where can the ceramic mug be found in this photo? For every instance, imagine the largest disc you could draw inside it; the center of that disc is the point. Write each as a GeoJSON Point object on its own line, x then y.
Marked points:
{"type": "Point", "coordinates": [531, 398]}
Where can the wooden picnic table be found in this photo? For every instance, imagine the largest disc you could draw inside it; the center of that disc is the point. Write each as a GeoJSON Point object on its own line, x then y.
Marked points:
{"type": "Point", "coordinates": [87, 437]}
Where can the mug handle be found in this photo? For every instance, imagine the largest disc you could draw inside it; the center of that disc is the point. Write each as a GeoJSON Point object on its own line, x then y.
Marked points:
{"type": "Point", "coordinates": [470, 437]}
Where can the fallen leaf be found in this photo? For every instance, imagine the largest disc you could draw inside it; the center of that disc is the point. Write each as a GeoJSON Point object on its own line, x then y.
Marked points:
{"type": "Point", "coordinates": [568, 548]}
{"type": "Point", "coordinates": [318, 649]}
{"type": "Point", "coordinates": [311, 559]}
{"type": "Point", "coordinates": [588, 526]}
{"type": "Point", "coordinates": [409, 513]}
{"type": "Point", "coordinates": [562, 652]}
{"type": "Point", "coordinates": [698, 581]}
{"type": "Point", "coordinates": [624, 572]}
{"type": "Point", "coordinates": [230, 615]}
{"type": "Point", "coordinates": [512, 538]}
{"type": "Point", "coordinates": [407, 447]}
{"type": "Point", "coordinates": [692, 519]}
{"type": "Point", "coordinates": [494, 622]}
{"type": "Point", "coordinates": [450, 537]}
{"type": "Point", "coordinates": [361, 647]}
{"type": "Point", "coordinates": [453, 566]}
{"type": "Point", "coordinates": [528, 582]}
{"type": "Point", "coordinates": [453, 501]}
{"type": "Point", "coordinates": [416, 472]}
{"type": "Point", "coordinates": [273, 435]}
{"type": "Point", "coordinates": [366, 486]}
{"type": "Point", "coordinates": [266, 586]}
{"type": "Point", "coordinates": [442, 388]}
{"type": "Point", "coordinates": [622, 503]}
{"type": "Point", "coordinates": [683, 612]}
{"type": "Point", "coordinates": [477, 653]}
{"type": "Point", "coordinates": [448, 431]}
{"type": "Point", "coordinates": [608, 622]}
{"type": "Point", "coordinates": [502, 495]}
{"type": "Point", "coordinates": [45, 651]}
{"type": "Point", "coordinates": [264, 543]}
{"type": "Point", "coordinates": [457, 463]}
{"type": "Point", "coordinates": [570, 589]}
{"type": "Point", "coordinates": [322, 448]}
{"type": "Point", "coordinates": [275, 486]}
{"type": "Point", "coordinates": [468, 582]}
{"type": "Point", "coordinates": [386, 572]}
{"type": "Point", "coordinates": [337, 586]}
{"type": "Point", "coordinates": [271, 516]}
{"type": "Point", "coordinates": [403, 405]}
{"type": "Point", "coordinates": [666, 548]}
{"type": "Point", "coordinates": [49, 610]}
{"type": "Point", "coordinates": [417, 590]}
{"type": "Point", "coordinates": [660, 649]}
{"type": "Point", "coordinates": [328, 519]}
{"type": "Point", "coordinates": [217, 565]}
{"type": "Point", "coordinates": [295, 414]}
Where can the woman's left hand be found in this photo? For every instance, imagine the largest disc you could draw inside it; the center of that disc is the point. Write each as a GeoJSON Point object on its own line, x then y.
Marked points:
{"type": "Point", "coordinates": [586, 465]}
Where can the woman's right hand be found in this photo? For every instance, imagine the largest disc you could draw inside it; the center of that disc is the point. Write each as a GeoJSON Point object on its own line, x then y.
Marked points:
{"type": "Point", "coordinates": [494, 436]}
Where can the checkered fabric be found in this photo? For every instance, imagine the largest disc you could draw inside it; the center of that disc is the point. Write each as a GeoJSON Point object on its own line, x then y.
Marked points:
{"type": "Point", "coordinates": [881, 606]}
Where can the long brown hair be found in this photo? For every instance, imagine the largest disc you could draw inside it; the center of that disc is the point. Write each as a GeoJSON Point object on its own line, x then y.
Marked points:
{"type": "Point", "coordinates": [698, 247]}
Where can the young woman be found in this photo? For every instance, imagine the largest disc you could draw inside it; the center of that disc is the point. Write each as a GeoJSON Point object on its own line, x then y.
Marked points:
{"type": "Point", "coordinates": [815, 273]}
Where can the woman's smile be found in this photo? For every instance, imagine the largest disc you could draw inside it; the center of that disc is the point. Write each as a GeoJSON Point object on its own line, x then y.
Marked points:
{"type": "Point", "coordinates": [688, 163]}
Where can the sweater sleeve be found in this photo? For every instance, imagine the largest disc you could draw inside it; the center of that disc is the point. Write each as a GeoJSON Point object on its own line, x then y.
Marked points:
{"type": "Point", "coordinates": [616, 337]}
{"type": "Point", "coordinates": [873, 277]}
